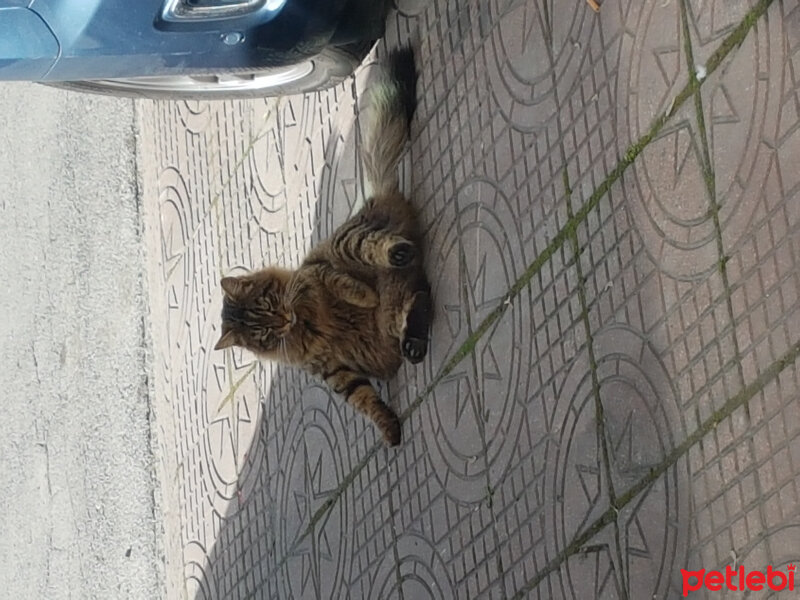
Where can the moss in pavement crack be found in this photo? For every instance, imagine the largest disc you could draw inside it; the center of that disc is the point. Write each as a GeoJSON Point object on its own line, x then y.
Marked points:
{"type": "Point", "coordinates": [734, 39]}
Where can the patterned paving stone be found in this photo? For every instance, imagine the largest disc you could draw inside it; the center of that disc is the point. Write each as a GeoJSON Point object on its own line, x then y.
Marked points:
{"type": "Point", "coordinates": [629, 411]}
{"type": "Point", "coordinates": [753, 492]}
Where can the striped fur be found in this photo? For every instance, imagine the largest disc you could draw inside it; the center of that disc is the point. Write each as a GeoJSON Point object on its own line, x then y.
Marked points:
{"type": "Point", "coordinates": [360, 302]}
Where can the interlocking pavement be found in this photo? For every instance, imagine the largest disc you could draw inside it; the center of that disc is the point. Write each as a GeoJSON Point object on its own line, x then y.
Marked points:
{"type": "Point", "coordinates": [611, 395]}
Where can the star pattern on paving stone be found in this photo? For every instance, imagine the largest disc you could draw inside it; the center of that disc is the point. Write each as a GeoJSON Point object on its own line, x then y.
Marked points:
{"type": "Point", "coordinates": [350, 191]}
{"type": "Point", "coordinates": [717, 97]}
{"type": "Point", "coordinates": [172, 254]}
{"type": "Point", "coordinates": [669, 62]}
{"type": "Point", "coordinates": [316, 549]}
{"type": "Point", "coordinates": [532, 24]}
{"type": "Point", "coordinates": [476, 301]}
{"type": "Point", "coordinates": [233, 410]}
{"type": "Point", "coordinates": [682, 133]}
{"type": "Point", "coordinates": [625, 469]}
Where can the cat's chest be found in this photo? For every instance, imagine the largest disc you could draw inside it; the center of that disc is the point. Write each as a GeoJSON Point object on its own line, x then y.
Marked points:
{"type": "Point", "coordinates": [349, 335]}
{"type": "Point", "coordinates": [355, 321]}
{"type": "Point", "coordinates": [334, 320]}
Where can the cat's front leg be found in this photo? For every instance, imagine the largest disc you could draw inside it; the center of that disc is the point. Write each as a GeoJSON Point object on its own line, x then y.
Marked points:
{"type": "Point", "coordinates": [360, 393]}
{"type": "Point", "coordinates": [342, 285]}
{"type": "Point", "coordinates": [346, 287]}
{"type": "Point", "coordinates": [352, 291]}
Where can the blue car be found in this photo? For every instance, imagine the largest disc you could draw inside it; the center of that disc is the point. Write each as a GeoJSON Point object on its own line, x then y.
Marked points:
{"type": "Point", "coordinates": [187, 49]}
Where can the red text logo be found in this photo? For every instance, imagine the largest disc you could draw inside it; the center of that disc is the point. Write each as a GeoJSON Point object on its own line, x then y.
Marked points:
{"type": "Point", "coordinates": [738, 579]}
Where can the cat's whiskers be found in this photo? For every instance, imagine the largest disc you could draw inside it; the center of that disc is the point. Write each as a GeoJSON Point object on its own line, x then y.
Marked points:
{"type": "Point", "coordinates": [292, 294]}
{"type": "Point", "coordinates": [284, 350]}
{"type": "Point", "coordinates": [291, 291]}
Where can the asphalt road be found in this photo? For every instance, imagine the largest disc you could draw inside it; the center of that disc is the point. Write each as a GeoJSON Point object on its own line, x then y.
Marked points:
{"type": "Point", "coordinates": [78, 514]}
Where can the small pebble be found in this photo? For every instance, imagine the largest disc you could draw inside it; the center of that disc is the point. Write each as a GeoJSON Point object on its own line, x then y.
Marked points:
{"type": "Point", "coordinates": [700, 72]}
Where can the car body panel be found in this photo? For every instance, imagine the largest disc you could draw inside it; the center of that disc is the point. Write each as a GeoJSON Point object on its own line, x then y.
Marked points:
{"type": "Point", "coordinates": [106, 39]}
{"type": "Point", "coordinates": [28, 56]}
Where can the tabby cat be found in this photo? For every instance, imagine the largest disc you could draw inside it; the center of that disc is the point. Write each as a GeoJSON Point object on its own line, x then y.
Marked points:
{"type": "Point", "coordinates": [360, 301]}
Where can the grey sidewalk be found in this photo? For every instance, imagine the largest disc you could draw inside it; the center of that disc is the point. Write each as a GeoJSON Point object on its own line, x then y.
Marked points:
{"type": "Point", "coordinates": [78, 517]}
{"type": "Point", "coordinates": [611, 393]}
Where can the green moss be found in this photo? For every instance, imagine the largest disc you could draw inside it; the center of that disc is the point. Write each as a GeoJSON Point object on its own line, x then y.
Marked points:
{"type": "Point", "coordinates": [569, 231]}
{"type": "Point", "coordinates": [608, 517]}
{"type": "Point", "coordinates": [232, 392]}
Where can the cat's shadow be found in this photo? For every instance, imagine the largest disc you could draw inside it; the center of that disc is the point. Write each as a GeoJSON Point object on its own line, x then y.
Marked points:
{"type": "Point", "coordinates": [242, 558]}
{"type": "Point", "coordinates": [256, 546]}
{"type": "Point", "coordinates": [292, 516]}
{"type": "Point", "coordinates": [341, 187]}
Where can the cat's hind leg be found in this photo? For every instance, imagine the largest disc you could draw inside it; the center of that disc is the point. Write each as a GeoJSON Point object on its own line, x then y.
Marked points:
{"type": "Point", "coordinates": [359, 392]}
{"type": "Point", "coordinates": [406, 312]}
{"type": "Point", "coordinates": [414, 320]}
{"type": "Point", "coordinates": [417, 325]}
{"type": "Point", "coordinates": [376, 249]}
{"type": "Point", "coordinates": [373, 240]}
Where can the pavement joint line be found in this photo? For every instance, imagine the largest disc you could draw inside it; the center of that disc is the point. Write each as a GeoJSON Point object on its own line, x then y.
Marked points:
{"type": "Point", "coordinates": [396, 555]}
{"type": "Point", "coordinates": [731, 41]}
{"type": "Point", "coordinates": [598, 402]}
{"type": "Point", "coordinates": [740, 399]}
{"type": "Point", "coordinates": [478, 406]}
{"type": "Point", "coordinates": [710, 180]}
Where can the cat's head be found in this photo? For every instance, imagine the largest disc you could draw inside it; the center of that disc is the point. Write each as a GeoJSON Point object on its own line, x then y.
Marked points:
{"type": "Point", "coordinates": [255, 314]}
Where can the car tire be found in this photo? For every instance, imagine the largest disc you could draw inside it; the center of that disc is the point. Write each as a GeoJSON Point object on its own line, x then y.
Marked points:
{"type": "Point", "coordinates": [328, 68]}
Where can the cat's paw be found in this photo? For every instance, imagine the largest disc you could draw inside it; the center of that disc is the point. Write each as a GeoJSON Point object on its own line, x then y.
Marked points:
{"type": "Point", "coordinates": [402, 254]}
{"type": "Point", "coordinates": [415, 349]}
{"type": "Point", "coordinates": [391, 431]}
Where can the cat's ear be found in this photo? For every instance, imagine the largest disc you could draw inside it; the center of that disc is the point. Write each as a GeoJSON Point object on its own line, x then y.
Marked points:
{"type": "Point", "coordinates": [234, 287]}
{"type": "Point", "coordinates": [227, 340]}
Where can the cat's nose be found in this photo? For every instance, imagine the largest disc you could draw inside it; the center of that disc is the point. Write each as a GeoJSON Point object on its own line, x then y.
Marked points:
{"type": "Point", "coordinates": [289, 320]}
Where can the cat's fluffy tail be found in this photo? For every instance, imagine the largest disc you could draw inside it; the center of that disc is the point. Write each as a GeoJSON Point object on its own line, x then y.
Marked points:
{"type": "Point", "coordinates": [392, 102]}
